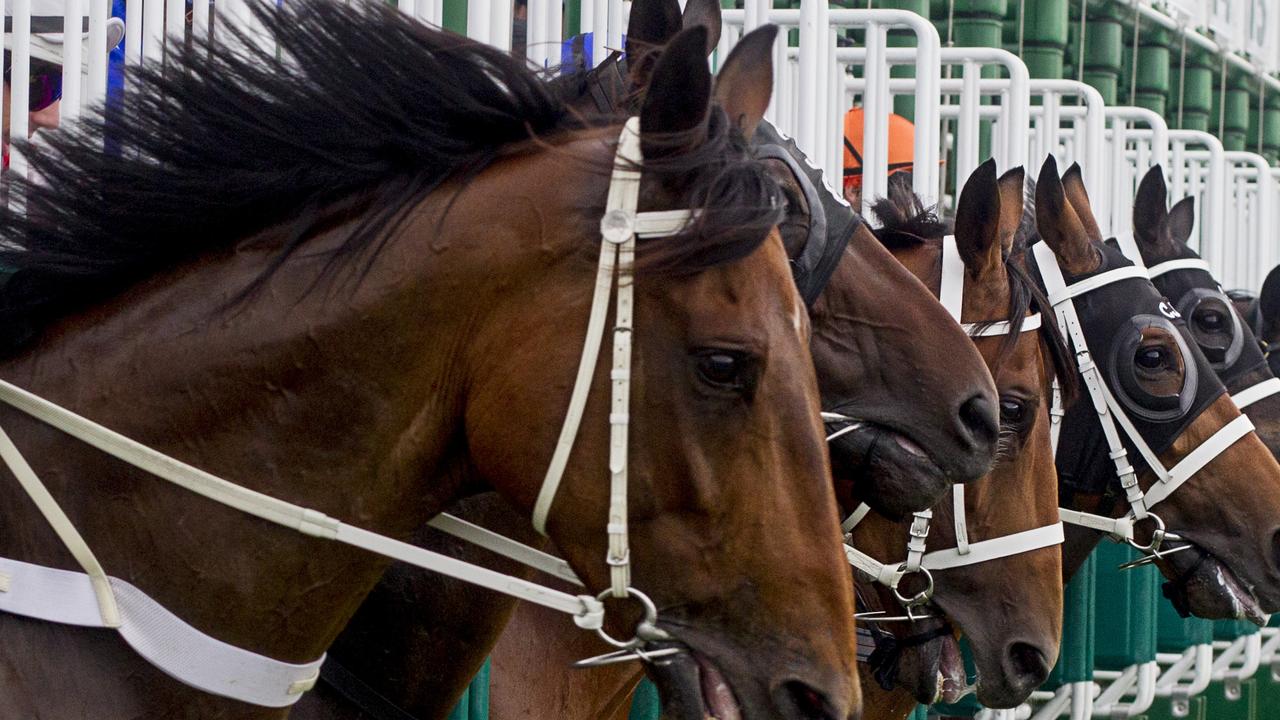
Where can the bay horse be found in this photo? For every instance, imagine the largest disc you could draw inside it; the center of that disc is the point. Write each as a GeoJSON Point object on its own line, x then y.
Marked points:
{"type": "Point", "coordinates": [1001, 591]}
{"type": "Point", "coordinates": [416, 637]}
{"type": "Point", "coordinates": [1221, 506]}
{"type": "Point", "coordinates": [294, 276]}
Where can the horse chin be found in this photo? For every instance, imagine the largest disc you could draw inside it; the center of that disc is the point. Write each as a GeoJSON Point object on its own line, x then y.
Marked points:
{"type": "Point", "coordinates": [692, 688]}
{"type": "Point", "coordinates": [934, 671]}
{"type": "Point", "coordinates": [890, 471]}
{"type": "Point", "coordinates": [1210, 590]}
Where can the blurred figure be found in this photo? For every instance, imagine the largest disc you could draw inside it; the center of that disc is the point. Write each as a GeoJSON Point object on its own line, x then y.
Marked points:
{"type": "Point", "coordinates": [902, 144]}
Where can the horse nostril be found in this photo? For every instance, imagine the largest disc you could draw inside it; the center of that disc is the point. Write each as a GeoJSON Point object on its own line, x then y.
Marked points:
{"type": "Point", "coordinates": [979, 422]}
{"type": "Point", "coordinates": [1027, 665]}
{"type": "Point", "coordinates": [806, 703]}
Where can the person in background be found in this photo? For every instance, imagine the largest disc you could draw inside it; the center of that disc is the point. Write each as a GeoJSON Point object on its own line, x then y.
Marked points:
{"type": "Point", "coordinates": [45, 77]}
{"type": "Point", "coordinates": [902, 148]}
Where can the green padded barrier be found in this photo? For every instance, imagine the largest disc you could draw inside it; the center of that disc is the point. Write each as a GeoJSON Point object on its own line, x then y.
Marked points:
{"type": "Point", "coordinates": [474, 703]}
{"type": "Point", "coordinates": [1125, 602]}
{"type": "Point", "coordinates": [1233, 629]}
{"type": "Point", "coordinates": [1220, 707]}
{"type": "Point", "coordinates": [644, 704]}
{"type": "Point", "coordinates": [1075, 658]}
{"type": "Point", "coordinates": [920, 713]}
{"type": "Point", "coordinates": [1175, 634]}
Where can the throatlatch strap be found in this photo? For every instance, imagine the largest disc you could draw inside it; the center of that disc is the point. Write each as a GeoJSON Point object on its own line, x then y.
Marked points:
{"type": "Point", "coordinates": [1157, 270]}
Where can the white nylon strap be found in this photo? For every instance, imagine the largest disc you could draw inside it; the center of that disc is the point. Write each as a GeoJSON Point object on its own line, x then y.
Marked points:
{"type": "Point", "coordinates": [159, 636]}
{"type": "Point", "coordinates": [1064, 293]}
{"type": "Point", "coordinates": [917, 536]}
{"type": "Point", "coordinates": [505, 546]}
{"type": "Point", "coordinates": [1225, 437]}
{"type": "Point", "coordinates": [1119, 528]}
{"type": "Point", "coordinates": [957, 511]}
{"type": "Point", "coordinates": [996, 548]}
{"type": "Point", "coordinates": [852, 521]}
{"type": "Point", "coordinates": [1254, 393]}
{"type": "Point", "coordinates": [1157, 270]}
{"type": "Point", "coordinates": [304, 520]}
{"type": "Point", "coordinates": [951, 289]}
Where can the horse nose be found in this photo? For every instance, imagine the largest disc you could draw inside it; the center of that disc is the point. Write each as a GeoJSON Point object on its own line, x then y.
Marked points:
{"type": "Point", "coordinates": [800, 701]}
{"type": "Point", "coordinates": [979, 424]}
{"type": "Point", "coordinates": [1026, 669]}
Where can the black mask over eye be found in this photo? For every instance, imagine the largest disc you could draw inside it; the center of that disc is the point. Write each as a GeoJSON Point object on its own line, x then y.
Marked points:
{"type": "Point", "coordinates": [1113, 318]}
{"type": "Point", "coordinates": [1229, 345]}
{"type": "Point", "coordinates": [1131, 361]}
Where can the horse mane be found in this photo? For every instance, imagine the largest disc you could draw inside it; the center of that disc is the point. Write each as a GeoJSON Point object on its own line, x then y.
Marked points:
{"type": "Point", "coordinates": [906, 222]}
{"type": "Point", "coordinates": [361, 114]}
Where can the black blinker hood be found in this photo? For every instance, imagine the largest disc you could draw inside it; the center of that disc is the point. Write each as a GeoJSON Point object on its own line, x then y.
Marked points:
{"type": "Point", "coordinates": [832, 222]}
{"type": "Point", "coordinates": [1188, 287]}
{"type": "Point", "coordinates": [1112, 318]}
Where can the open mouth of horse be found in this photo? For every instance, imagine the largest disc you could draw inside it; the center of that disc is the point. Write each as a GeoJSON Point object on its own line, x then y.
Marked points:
{"type": "Point", "coordinates": [891, 472]}
{"type": "Point", "coordinates": [933, 672]}
{"type": "Point", "coordinates": [692, 688]}
{"type": "Point", "coordinates": [1206, 587]}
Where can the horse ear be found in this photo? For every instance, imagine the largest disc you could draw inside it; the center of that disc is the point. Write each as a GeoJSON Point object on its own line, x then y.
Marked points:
{"type": "Point", "coordinates": [1073, 185]}
{"type": "Point", "coordinates": [1149, 208]}
{"type": "Point", "coordinates": [652, 24]}
{"type": "Point", "coordinates": [678, 98]}
{"type": "Point", "coordinates": [745, 82]}
{"type": "Point", "coordinates": [1058, 225]}
{"type": "Point", "coordinates": [977, 224]}
{"type": "Point", "coordinates": [704, 13]}
{"type": "Point", "coordinates": [1011, 184]}
{"type": "Point", "coordinates": [1181, 220]}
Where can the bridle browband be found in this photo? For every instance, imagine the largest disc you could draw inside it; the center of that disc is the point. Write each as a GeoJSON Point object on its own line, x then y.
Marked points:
{"type": "Point", "coordinates": [92, 598]}
{"type": "Point", "coordinates": [919, 561]}
{"type": "Point", "coordinates": [1114, 419]}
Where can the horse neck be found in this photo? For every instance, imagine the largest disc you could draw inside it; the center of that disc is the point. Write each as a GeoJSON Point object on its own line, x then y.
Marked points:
{"type": "Point", "coordinates": [345, 399]}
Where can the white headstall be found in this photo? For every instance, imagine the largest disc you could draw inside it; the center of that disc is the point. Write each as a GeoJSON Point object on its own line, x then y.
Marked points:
{"type": "Point", "coordinates": [1110, 414]}
{"type": "Point", "coordinates": [951, 295]}
{"type": "Point", "coordinates": [94, 599]}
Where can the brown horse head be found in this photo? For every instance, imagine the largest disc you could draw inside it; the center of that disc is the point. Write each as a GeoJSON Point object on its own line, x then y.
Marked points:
{"type": "Point", "coordinates": [1010, 606]}
{"type": "Point", "coordinates": [1226, 514]}
{"type": "Point", "coordinates": [419, 282]}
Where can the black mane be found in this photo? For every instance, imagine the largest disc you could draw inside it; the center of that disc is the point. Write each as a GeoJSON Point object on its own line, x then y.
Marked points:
{"type": "Point", "coordinates": [363, 113]}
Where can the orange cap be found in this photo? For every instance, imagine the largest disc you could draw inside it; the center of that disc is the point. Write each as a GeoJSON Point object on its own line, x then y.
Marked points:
{"type": "Point", "coordinates": [902, 145]}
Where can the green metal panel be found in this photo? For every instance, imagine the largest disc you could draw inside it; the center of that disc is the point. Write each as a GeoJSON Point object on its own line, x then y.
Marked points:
{"type": "Point", "coordinates": [1075, 658]}
{"type": "Point", "coordinates": [1220, 707]}
{"type": "Point", "coordinates": [474, 703]}
{"type": "Point", "coordinates": [455, 15]}
{"type": "Point", "coordinates": [1153, 74]}
{"type": "Point", "coordinates": [1103, 56]}
{"type": "Point", "coordinates": [1233, 629]}
{"type": "Point", "coordinates": [1162, 710]}
{"type": "Point", "coordinates": [920, 713]}
{"type": "Point", "coordinates": [1044, 37]}
{"type": "Point", "coordinates": [573, 18]}
{"type": "Point", "coordinates": [645, 704]}
{"type": "Point", "coordinates": [1125, 602]}
{"type": "Point", "coordinates": [1175, 634]}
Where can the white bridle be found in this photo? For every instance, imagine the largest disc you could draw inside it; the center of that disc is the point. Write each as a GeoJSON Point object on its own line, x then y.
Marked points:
{"type": "Point", "coordinates": [94, 599]}
{"type": "Point", "coordinates": [951, 295]}
{"type": "Point", "coordinates": [1251, 394]}
{"type": "Point", "coordinates": [1110, 414]}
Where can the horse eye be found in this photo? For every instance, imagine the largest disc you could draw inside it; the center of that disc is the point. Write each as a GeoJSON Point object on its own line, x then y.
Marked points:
{"type": "Point", "coordinates": [1210, 320]}
{"type": "Point", "coordinates": [1011, 411]}
{"type": "Point", "coordinates": [723, 369]}
{"type": "Point", "coordinates": [1150, 358]}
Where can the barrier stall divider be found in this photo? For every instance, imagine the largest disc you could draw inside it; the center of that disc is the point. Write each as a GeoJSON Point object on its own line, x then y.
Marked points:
{"type": "Point", "coordinates": [1126, 175]}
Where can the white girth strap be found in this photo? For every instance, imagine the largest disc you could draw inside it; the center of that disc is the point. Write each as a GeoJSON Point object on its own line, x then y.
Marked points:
{"type": "Point", "coordinates": [1110, 413]}
{"type": "Point", "coordinates": [1254, 393]}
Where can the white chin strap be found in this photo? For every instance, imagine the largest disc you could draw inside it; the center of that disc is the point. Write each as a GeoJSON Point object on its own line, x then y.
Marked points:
{"type": "Point", "coordinates": [1251, 394]}
{"type": "Point", "coordinates": [951, 295]}
{"type": "Point", "coordinates": [94, 599]}
{"type": "Point", "coordinates": [1110, 413]}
